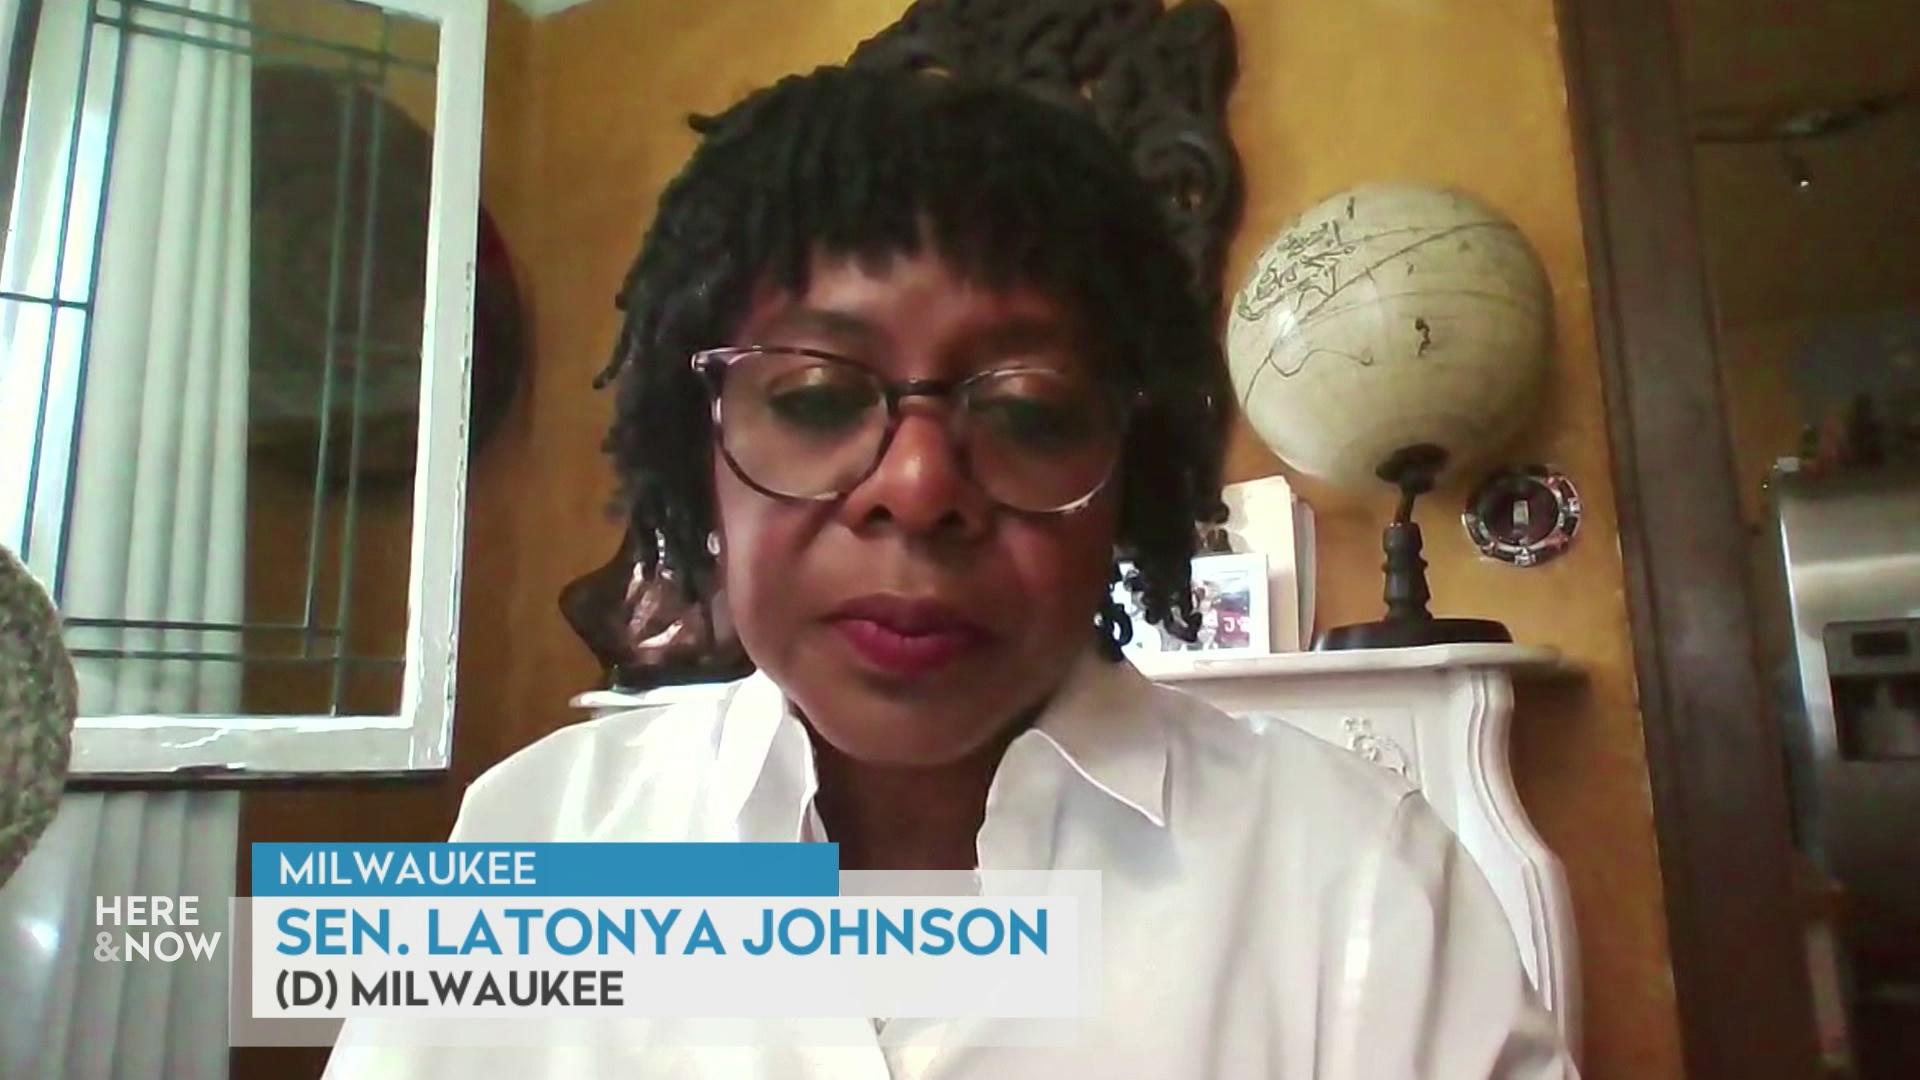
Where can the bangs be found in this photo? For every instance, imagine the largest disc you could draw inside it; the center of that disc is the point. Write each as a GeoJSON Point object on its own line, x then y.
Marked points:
{"type": "Point", "coordinates": [991, 179]}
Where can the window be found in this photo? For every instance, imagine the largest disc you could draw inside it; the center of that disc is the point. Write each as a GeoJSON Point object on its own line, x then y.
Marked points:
{"type": "Point", "coordinates": [235, 303]}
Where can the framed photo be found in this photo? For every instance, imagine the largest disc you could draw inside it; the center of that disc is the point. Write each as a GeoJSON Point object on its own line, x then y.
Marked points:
{"type": "Point", "coordinates": [1231, 595]}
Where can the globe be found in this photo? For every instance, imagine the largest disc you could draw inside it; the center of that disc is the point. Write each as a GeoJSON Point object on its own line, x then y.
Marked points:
{"type": "Point", "coordinates": [1390, 316]}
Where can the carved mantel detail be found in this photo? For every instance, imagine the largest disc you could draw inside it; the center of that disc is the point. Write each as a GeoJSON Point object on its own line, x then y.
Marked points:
{"type": "Point", "coordinates": [1375, 747]}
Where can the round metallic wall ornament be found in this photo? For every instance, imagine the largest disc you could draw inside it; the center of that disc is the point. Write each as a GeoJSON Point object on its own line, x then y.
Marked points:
{"type": "Point", "coordinates": [1523, 516]}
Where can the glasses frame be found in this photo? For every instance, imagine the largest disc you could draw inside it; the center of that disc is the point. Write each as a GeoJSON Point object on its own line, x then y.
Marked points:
{"type": "Point", "coordinates": [712, 366]}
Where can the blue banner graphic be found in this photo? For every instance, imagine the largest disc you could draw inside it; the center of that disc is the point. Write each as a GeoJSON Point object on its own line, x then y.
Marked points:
{"type": "Point", "coordinates": [546, 869]}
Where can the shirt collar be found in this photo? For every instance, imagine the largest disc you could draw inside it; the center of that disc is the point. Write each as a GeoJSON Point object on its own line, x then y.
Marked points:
{"type": "Point", "coordinates": [1104, 722]}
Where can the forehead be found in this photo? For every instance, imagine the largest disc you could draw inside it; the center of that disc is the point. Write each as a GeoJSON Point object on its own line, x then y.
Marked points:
{"type": "Point", "coordinates": [908, 304]}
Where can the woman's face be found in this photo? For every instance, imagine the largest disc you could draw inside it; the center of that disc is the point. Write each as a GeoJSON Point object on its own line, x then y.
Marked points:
{"type": "Point", "coordinates": [913, 620]}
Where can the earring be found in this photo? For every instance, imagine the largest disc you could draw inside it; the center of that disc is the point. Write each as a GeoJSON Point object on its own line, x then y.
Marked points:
{"type": "Point", "coordinates": [713, 543]}
{"type": "Point", "coordinates": [1113, 623]}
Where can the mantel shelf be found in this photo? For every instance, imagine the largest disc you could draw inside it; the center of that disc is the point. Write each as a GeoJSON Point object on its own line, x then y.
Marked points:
{"type": "Point", "coordinates": [1519, 661]}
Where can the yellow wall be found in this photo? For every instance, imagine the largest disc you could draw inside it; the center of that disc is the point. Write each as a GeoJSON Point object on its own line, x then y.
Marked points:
{"type": "Point", "coordinates": [586, 124]}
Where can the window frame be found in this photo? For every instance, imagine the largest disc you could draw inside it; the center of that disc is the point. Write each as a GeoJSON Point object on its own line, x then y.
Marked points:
{"type": "Point", "coordinates": [231, 749]}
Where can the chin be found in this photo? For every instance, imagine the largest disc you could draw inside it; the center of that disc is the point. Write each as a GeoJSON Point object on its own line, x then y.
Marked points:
{"type": "Point", "coordinates": [887, 734]}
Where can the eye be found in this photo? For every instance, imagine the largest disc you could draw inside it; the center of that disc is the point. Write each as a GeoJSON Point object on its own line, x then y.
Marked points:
{"type": "Point", "coordinates": [821, 401]}
{"type": "Point", "coordinates": [1037, 414]}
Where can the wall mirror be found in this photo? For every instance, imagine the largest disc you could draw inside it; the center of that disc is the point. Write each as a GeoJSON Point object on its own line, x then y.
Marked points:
{"type": "Point", "coordinates": [236, 341]}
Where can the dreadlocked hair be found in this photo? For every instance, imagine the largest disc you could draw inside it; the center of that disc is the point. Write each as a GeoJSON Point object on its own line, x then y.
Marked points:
{"type": "Point", "coordinates": [1009, 190]}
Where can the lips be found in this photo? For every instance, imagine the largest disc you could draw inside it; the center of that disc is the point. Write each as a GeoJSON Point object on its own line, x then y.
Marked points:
{"type": "Point", "coordinates": [906, 637]}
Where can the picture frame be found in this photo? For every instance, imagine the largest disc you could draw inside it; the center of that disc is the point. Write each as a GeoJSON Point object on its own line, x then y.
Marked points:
{"type": "Point", "coordinates": [1233, 598]}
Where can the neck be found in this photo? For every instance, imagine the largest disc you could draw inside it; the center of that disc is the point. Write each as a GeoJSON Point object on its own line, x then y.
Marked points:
{"type": "Point", "coordinates": [891, 817]}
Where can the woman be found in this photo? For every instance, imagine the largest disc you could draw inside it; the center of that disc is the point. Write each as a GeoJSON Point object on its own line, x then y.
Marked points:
{"type": "Point", "coordinates": [906, 363]}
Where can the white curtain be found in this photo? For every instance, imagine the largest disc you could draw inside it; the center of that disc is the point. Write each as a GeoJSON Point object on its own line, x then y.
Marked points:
{"type": "Point", "coordinates": [156, 528]}
{"type": "Point", "coordinates": [67, 1016]}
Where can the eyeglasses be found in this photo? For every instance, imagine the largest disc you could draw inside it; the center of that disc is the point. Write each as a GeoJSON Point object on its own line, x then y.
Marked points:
{"type": "Point", "coordinates": [805, 424]}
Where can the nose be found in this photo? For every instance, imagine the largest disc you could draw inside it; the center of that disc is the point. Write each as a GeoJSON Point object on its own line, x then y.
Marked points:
{"type": "Point", "coordinates": [920, 485]}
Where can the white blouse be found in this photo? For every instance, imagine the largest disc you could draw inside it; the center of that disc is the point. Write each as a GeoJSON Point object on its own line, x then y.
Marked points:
{"type": "Point", "coordinates": [1272, 906]}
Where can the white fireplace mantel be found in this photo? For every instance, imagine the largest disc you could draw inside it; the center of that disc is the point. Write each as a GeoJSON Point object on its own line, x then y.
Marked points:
{"type": "Point", "coordinates": [1438, 715]}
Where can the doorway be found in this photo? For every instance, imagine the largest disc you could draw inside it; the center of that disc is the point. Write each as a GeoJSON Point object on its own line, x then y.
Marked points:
{"type": "Point", "coordinates": [1748, 175]}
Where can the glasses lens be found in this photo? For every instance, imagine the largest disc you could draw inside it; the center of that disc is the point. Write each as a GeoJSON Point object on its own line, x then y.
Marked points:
{"type": "Point", "coordinates": [1040, 440]}
{"type": "Point", "coordinates": [801, 425]}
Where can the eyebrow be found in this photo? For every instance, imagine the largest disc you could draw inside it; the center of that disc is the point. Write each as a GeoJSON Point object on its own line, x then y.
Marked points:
{"type": "Point", "coordinates": [825, 322]}
{"type": "Point", "coordinates": [1021, 334]}
{"type": "Point", "coordinates": [1015, 336]}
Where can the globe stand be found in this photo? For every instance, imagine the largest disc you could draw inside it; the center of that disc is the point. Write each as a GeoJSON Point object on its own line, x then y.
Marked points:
{"type": "Point", "coordinates": [1411, 469]}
